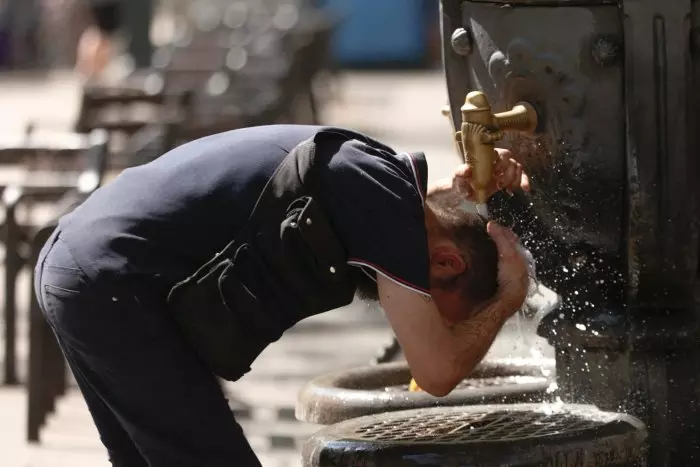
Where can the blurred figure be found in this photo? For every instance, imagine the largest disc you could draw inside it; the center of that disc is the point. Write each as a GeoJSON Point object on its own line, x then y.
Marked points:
{"type": "Point", "coordinates": [98, 43]}
{"type": "Point", "coordinates": [19, 48]}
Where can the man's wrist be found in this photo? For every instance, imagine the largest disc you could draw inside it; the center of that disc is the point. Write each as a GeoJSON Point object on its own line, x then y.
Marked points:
{"type": "Point", "coordinates": [500, 310]}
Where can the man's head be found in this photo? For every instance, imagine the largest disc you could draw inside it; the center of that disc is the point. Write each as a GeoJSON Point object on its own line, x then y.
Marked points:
{"type": "Point", "coordinates": [463, 257]}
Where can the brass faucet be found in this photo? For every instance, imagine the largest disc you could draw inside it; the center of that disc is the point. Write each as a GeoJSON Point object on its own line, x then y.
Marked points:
{"type": "Point", "coordinates": [479, 131]}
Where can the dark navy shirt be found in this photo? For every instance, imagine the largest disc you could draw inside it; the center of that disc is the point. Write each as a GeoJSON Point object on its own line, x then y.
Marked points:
{"type": "Point", "coordinates": [163, 220]}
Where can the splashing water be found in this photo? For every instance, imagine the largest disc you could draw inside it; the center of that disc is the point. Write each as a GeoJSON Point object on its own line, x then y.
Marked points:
{"type": "Point", "coordinates": [482, 209]}
{"type": "Point", "coordinates": [539, 302]}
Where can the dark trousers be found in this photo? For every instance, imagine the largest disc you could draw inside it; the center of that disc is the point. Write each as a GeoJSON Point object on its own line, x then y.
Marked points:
{"type": "Point", "coordinates": [152, 401]}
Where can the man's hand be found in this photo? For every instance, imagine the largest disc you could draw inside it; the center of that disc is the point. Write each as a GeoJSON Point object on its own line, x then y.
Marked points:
{"type": "Point", "coordinates": [508, 175]}
{"type": "Point", "coordinates": [513, 278]}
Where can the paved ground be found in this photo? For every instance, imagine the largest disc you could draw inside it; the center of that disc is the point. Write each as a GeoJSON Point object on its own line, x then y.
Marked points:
{"type": "Point", "coordinates": [401, 109]}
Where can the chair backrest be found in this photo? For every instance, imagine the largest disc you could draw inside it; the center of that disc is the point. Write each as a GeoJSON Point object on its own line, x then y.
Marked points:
{"type": "Point", "coordinates": [95, 161]}
{"type": "Point", "coordinates": [47, 166]}
{"type": "Point", "coordinates": [43, 152]}
{"type": "Point", "coordinates": [126, 110]}
{"type": "Point", "coordinates": [247, 67]}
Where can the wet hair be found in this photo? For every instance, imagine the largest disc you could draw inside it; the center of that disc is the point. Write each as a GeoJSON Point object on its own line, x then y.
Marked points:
{"type": "Point", "coordinates": [479, 282]}
{"type": "Point", "coordinates": [467, 230]}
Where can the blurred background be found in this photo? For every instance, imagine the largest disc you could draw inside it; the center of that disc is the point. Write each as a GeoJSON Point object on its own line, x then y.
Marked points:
{"type": "Point", "coordinates": [40, 34]}
{"type": "Point", "coordinates": [88, 89]}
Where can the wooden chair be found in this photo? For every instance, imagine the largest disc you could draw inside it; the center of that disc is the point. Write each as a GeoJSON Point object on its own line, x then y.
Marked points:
{"type": "Point", "coordinates": [47, 368]}
{"type": "Point", "coordinates": [125, 111]}
{"type": "Point", "coordinates": [46, 174]}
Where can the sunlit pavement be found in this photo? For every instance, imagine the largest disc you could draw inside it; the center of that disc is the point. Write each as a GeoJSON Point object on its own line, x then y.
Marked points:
{"type": "Point", "coordinates": [401, 109]}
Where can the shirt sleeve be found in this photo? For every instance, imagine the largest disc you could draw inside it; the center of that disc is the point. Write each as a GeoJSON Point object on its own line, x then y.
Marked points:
{"type": "Point", "coordinates": [374, 199]}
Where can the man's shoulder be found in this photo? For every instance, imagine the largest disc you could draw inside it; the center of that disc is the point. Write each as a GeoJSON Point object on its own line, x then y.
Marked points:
{"type": "Point", "coordinates": [369, 161]}
{"type": "Point", "coordinates": [283, 136]}
{"type": "Point", "coordinates": [374, 198]}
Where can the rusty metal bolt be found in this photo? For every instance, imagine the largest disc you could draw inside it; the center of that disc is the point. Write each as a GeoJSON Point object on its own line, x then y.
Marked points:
{"type": "Point", "coordinates": [461, 41]}
{"type": "Point", "coordinates": [606, 50]}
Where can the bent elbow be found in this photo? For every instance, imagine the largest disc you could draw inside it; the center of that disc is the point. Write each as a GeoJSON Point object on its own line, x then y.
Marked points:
{"type": "Point", "coordinates": [438, 389]}
{"type": "Point", "coordinates": [438, 382]}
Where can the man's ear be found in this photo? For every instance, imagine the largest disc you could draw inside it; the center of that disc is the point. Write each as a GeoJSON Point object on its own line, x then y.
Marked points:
{"type": "Point", "coordinates": [446, 262]}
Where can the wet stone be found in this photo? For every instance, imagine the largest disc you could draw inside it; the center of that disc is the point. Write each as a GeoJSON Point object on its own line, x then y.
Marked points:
{"type": "Point", "coordinates": [489, 382]}
{"type": "Point", "coordinates": [385, 388]}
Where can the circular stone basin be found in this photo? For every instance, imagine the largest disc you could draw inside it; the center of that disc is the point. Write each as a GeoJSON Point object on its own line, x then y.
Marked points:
{"type": "Point", "coordinates": [384, 388]}
{"type": "Point", "coordinates": [517, 435]}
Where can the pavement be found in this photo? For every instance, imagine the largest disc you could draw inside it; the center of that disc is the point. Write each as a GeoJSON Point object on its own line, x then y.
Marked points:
{"type": "Point", "coordinates": [400, 108]}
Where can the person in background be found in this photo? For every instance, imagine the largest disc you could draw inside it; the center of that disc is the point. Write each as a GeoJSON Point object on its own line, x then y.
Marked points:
{"type": "Point", "coordinates": [97, 44]}
{"type": "Point", "coordinates": [115, 21]}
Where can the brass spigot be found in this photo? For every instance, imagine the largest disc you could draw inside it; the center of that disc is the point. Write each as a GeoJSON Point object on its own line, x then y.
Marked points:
{"type": "Point", "coordinates": [479, 131]}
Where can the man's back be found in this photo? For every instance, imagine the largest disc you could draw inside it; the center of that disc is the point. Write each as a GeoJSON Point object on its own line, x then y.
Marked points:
{"type": "Point", "coordinates": [165, 219]}
{"type": "Point", "coordinates": [160, 222]}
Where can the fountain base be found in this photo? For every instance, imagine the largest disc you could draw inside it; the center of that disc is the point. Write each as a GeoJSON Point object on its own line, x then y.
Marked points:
{"type": "Point", "coordinates": [384, 388]}
{"type": "Point", "coordinates": [522, 435]}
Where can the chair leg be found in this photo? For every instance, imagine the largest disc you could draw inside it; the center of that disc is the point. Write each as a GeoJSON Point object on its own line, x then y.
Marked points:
{"type": "Point", "coordinates": [54, 369]}
{"type": "Point", "coordinates": [35, 384]}
{"type": "Point", "coordinates": [313, 106]}
{"type": "Point", "coordinates": [12, 266]}
{"type": "Point", "coordinates": [40, 337]}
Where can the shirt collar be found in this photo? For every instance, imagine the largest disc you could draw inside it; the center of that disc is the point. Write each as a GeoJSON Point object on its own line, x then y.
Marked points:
{"type": "Point", "coordinates": [420, 169]}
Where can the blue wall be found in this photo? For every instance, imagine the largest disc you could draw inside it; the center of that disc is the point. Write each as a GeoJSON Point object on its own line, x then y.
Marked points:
{"type": "Point", "coordinates": [379, 31]}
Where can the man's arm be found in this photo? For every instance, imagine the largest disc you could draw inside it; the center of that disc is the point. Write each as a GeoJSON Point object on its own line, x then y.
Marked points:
{"type": "Point", "coordinates": [439, 355]}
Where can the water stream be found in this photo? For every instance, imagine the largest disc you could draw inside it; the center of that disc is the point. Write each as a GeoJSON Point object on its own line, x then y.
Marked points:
{"type": "Point", "coordinates": [482, 209]}
{"type": "Point", "coordinates": [539, 302]}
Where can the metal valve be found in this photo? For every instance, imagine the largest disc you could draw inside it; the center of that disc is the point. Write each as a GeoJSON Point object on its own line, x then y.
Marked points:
{"type": "Point", "coordinates": [479, 131]}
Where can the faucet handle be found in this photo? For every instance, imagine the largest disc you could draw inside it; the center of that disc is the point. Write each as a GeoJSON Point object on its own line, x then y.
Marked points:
{"type": "Point", "coordinates": [521, 117]}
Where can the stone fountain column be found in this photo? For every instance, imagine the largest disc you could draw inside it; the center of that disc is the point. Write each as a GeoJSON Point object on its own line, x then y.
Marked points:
{"type": "Point", "coordinates": [613, 216]}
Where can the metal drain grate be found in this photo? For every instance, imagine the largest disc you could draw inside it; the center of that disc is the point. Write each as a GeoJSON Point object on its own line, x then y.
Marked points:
{"type": "Point", "coordinates": [523, 435]}
{"type": "Point", "coordinates": [459, 427]}
{"type": "Point", "coordinates": [495, 381]}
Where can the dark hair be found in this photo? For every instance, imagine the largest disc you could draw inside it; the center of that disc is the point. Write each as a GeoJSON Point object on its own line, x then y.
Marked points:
{"type": "Point", "coordinates": [467, 230]}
